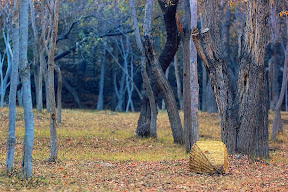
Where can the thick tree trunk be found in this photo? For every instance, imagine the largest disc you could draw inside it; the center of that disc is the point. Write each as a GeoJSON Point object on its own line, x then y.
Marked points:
{"type": "Point", "coordinates": [252, 137]}
{"type": "Point", "coordinates": [27, 98]}
{"type": "Point", "coordinates": [221, 84]}
{"type": "Point", "coordinates": [13, 88]}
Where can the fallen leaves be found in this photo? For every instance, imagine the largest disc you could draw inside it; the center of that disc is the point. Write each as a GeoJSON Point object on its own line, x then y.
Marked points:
{"type": "Point", "coordinates": [98, 152]}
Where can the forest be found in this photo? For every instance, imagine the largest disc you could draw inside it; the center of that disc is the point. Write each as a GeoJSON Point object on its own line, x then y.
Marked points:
{"type": "Point", "coordinates": [121, 91]}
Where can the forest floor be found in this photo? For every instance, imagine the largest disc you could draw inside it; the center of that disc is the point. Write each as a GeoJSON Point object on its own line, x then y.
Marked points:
{"type": "Point", "coordinates": [99, 152]}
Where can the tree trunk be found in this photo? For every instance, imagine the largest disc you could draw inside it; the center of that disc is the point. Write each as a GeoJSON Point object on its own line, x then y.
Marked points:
{"type": "Point", "coordinates": [59, 94]}
{"type": "Point", "coordinates": [148, 114]}
{"type": "Point", "coordinates": [51, 67]}
{"type": "Point", "coordinates": [211, 52]}
{"type": "Point", "coordinates": [167, 77]}
{"type": "Point", "coordinates": [13, 88]}
{"type": "Point", "coordinates": [158, 74]}
{"type": "Point", "coordinates": [252, 137]}
{"type": "Point", "coordinates": [27, 98]}
{"type": "Point", "coordinates": [211, 104]}
{"type": "Point", "coordinates": [101, 82]}
{"type": "Point", "coordinates": [178, 82]}
{"type": "Point", "coordinates": [277, 122]}
{"type": "Point", "coordinates": [273, 80]}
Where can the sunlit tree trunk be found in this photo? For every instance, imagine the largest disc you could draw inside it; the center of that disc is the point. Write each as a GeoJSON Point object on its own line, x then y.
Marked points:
{"type": "Point", "coordinates": [27, 98]}
{"type": "Point", "coordinates": [13, 88]}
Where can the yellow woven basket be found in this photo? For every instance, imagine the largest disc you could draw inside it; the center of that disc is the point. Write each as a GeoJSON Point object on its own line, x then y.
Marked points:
{"type": "Point", "coordinates": [208, 157]}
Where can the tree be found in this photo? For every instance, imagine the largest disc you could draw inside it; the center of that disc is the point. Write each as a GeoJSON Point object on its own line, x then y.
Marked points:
{"type": "Point", "coordinates": [190, 77]}
{"type": "Point", "coordinates": [159, 64]}
{"type": "Point", "coordinates": [13, 87]}
{"type": "Point", "coordinates": [277, 122]}
{"type": "Point", "coordinates": [24, 69]}
{"type": "Point", "coordinates": [151, 108]}
{"type": "Point", "coordinates": [53, 22]}
{"type": "Point", "coordinates": [244, 116]}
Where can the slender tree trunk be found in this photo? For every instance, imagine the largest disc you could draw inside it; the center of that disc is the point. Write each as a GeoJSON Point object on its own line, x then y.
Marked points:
{"type": "Point", "coordinates": [178, 82]}
{"type": "Point", "coordinates": [27, 98]}
{"type": "Point", "coordinates": [13, 88]}
{"type": "Point", "coordinates": [51, 68]}
{"type": "Point", "coordinates": [273, 80]}
{"type": "Point", "coordinates": [277, 122]}
{"type": "Point", "coordinates": [211, 104]}
{"type": "Point", "coordinates": [59, 94]}
{"type": "Point", "coordinates": [101, 82]}
{"type": "Point", "coordinates": [190, 79]}
{"type": "Point", "coordinates": [167, 77]}
{"type": "Point", "coordinates": [158, 74]}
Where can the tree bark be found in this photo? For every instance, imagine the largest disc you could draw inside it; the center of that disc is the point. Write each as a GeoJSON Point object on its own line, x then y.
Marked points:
{"type": "Point", "coordinates": [27, 98]}
{"type": "Point", "coordinates": [148, 114]}
{"type": "Point", "coordinates": [13, 88]}
{"type": "Point", "coordinates": [252, 137]}
{"type": "Point", "coordinates": [51, 67]}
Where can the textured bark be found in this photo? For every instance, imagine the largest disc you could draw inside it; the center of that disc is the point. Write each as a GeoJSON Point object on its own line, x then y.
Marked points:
{"type": "Point", "coordinates": [251, 85]}
{"type": "Point", "coordinates": [51, 67]}
{"type": "Point", "coordinates": [13, 88]}
{"type": "Point", "coordinates": [190, 79]}
{"type": "Point", "coordinates": [216, 67]}
{"type": "Point", "coordinates": [27, 98]}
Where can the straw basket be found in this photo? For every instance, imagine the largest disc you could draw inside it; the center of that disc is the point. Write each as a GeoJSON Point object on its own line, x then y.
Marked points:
{"type": "Point", "coordinates": [208, 157]}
